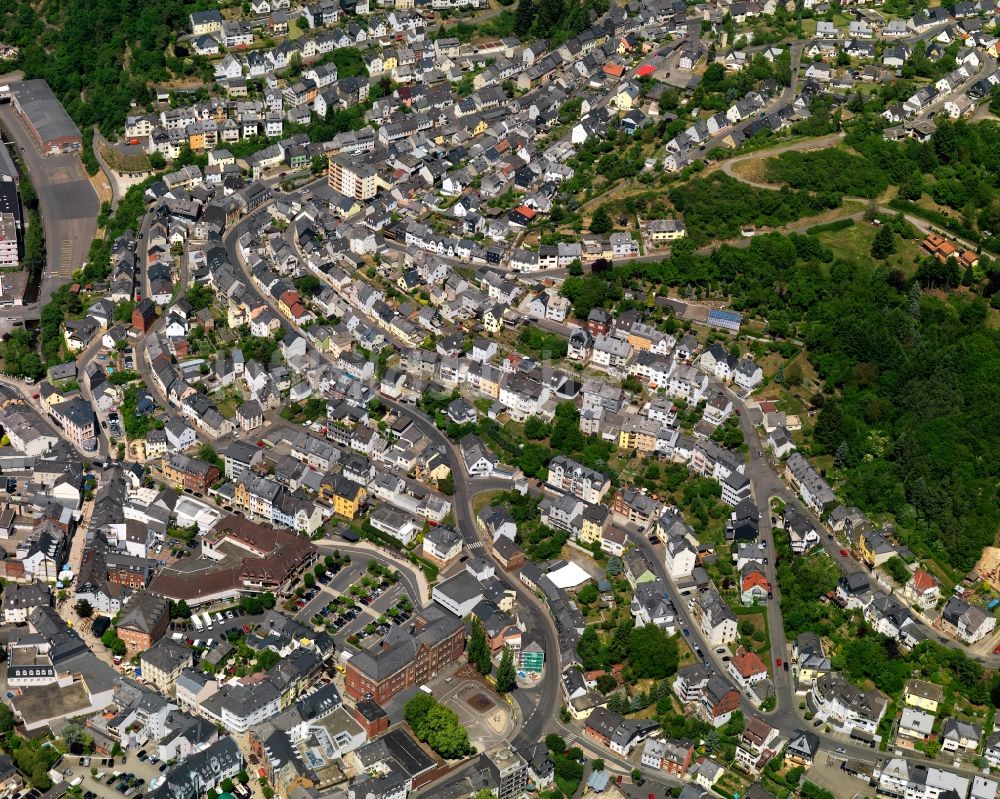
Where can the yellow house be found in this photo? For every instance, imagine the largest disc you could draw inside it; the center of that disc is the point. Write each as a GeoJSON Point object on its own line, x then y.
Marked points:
{"type": "Point", "coordinates": [595, 521]}
{"type": "Point", "coordinates": [664, 230]}
{"type": "Point", "coordinates": [481, 127]}
{"type": "Point", "coordinates": [640, 341]}
{"type": "Point", "coordinates": [344, 495]}
{"type": "Point", "coordinates": [625, 98]}
{"type": "Point", "coordinates": [241, 496]}
{"type": "Point", "coordinates": [196, 139]}
{"type": "Point", "coordinates": [489, 381]}
{"type": "Point", "coordinates": [639, 434]}
{"type": "Point", "coordinates": [493, 319]}
{"type": "Point", "coordinates": [873, 548]}
{"type": "Point", "coordinates": [924, 695]}
{"type": "Point", "coordinates": [808, 674]}
{"type": "Point", "coordinates": [389, 59]}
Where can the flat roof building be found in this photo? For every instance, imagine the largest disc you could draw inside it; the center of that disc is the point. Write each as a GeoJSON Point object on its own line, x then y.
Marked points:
{"type": "Point", "coordinates": [45, 118]}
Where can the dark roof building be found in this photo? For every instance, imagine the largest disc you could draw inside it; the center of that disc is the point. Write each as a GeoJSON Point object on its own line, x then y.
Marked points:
{"type": "Point", "coordinates": [45, 119]}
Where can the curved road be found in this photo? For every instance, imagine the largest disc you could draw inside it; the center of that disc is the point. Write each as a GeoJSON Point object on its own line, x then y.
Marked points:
{"type": "Point", "coordinates": [536, 716]}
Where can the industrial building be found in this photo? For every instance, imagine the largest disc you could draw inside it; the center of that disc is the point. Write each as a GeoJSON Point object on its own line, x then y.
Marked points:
{"type": "Point", "coordinates": [44, 118]}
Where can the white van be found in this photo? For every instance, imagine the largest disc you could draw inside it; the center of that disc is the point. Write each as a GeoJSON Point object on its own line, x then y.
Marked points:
{"type": "Point", "coordinates": [207, 621]}
{"type": "Point", "coordinates": [196, 623]}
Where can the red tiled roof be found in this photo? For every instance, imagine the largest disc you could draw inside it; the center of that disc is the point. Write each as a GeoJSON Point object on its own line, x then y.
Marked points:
{"type": "Point", "coordinates": [923, 581]}
{"type": "Point", "coordinates": [748, 663]}
{"type": "Point", "coordinates": [755, 578]}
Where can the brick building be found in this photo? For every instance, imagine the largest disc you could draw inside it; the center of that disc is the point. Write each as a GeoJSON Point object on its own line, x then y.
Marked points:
{"type": "Point", "coordinates": [143, 621]}
{"type": "Point", "coordinates": [190, 473]}
{"type": "Point", "coordinates": [410, 655]}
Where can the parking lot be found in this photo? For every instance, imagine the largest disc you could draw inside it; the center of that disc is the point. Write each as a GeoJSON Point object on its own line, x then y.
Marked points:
{"type": "Point", "coordinates": [137, 772]}
{"type": "Point", "coordinates": [366, 610]}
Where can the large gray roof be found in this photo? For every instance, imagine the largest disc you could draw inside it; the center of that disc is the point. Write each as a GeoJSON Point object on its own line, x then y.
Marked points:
{"type": "Point", "coordinates": [40, 105]}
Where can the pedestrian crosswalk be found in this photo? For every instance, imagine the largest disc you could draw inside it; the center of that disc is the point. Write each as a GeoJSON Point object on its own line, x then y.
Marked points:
{"type": "Point", "coordinates": [66, 257]}
{"type": "Point", "coordinates": [475, 545]}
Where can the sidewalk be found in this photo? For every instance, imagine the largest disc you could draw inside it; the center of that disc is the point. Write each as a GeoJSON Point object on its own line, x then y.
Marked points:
{"type": "Point", "coordinates": [417, 572]}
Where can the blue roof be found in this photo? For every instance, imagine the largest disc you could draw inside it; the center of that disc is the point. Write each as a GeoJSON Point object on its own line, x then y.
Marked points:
{"type": "Point", "coordinates": [730, 316]}
{"type": "Point", "coordinates": [598, 780]}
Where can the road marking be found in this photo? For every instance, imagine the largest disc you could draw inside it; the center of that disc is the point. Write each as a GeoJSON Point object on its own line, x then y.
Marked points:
{"type": "Point", "coordinates": [475, 545]}
{"type": "Point", "coordinates": [66, 257]}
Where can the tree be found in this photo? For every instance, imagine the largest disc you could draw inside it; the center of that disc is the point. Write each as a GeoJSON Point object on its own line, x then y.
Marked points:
{"type": "Point", "coordinates": [207, 453]}
{"type": "Point", "coordinates": [651, 652]}
{"type": "Point", "coordinates": [597, 765]}
{"type": "Point", "coordinates": [437, 726]}
{"type": "Point", "coordinates": [884, 244]}
{"type": "Point", "coordinates": [793, 374]}
{"type": "Point", "coordinates": [636, 775]}
{"type": "Point", "coordinates": [157, 161]}
{"type": "Point", "coordinates": [6, 719]}
{"type": "Point", "coordinates": [180, 610]}
{"type": "Point", "coordinates": [309, 580]}
{"type": "Point", "coordinates": [506, 675]}
{"type": "Point", "coordinates": [587, 595]}
{"type": "Point", "coordinates": [123, 311]}
{"type": "Point", "coordinates": [478, 650]}
{"type": "Point", "coordinates": [554, 742]}
{"type": "Point", "coordinates": [72, 735]}
{"type": "Point", "coordinates": [535, 428]}
{"type": "Point", "coordinates": [841, 455]}
{"type": "Point", "coordinates": [84, 609]}
{"type": "Point", "coordinates": [601, 222]}
{"type": "Point", "coordinates": [266, 660]}
{"type": "Point", "coordinates": [523, 18]}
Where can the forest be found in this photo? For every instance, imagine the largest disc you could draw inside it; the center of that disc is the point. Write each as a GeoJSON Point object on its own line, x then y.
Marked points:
{"type": "Point", "coordinates": [959, 169]}
{"type": "Point", "coordinates": [908, 378]}
{"type": "Point", "coordinates": [98, 55]}
{"type": "Point", "coordinates": [718, 206]}
{"type": "Point", "coordinates": [556, 20]}
{"type": "Point", "coordinates": [827, 170]}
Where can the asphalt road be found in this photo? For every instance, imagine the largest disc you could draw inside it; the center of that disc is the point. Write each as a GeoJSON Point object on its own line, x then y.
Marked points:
{"type": "Point", "coordinates": [547, 695]}
{"type": "Point", "coordinates": [534, 719]}
{"type": "Point", "coordinates": [69, 208]}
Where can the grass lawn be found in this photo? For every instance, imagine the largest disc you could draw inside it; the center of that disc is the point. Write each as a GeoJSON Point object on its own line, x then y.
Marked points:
{"type": "Point", "coordinates": [228, 404]}
{"type": "Point", "coordinates": [855, 243]}
{"type": "Point", "coordinates": [759, 622]}
{"type": "Point", "coordinates": [480, 501]}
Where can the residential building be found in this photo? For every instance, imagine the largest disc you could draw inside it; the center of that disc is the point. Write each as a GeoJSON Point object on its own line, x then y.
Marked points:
{"type": "Point", "coordinates": [568, 476]}
{"type": "Point", "coordinates": [164, 662]}
{"type": "Point", "coordinates": [970, 623]}
{"type": "Point", "coordinates": [847, 708]}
